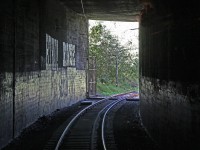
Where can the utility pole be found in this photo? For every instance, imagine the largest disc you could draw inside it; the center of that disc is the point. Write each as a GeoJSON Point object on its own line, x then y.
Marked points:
{"type": "Point", "coordinates": [117, 68]}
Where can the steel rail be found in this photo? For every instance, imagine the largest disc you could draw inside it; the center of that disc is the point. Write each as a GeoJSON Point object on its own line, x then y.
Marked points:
{"type": "Point", "coordinates": [79, 114]}
{"type": "Point", "coordinates": [103, 123]}
{"type": "Point", "coordinates": [95, 122]}
{"type": "Point", "coordinates": [72, 121]}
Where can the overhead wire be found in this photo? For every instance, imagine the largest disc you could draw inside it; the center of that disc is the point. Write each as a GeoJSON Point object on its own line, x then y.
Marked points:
{"type": "Point", "coordinates": [83, 9]}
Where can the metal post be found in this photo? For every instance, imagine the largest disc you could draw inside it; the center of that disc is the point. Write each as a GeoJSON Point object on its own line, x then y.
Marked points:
{"type": "Point", "coordinates": [14, 66]}
{"type": "Point", "coordinates": [117, 68]}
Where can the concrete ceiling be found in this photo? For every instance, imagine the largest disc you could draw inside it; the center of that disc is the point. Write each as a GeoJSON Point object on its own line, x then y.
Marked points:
{"type": "Point", "coordinates": [113, 10]}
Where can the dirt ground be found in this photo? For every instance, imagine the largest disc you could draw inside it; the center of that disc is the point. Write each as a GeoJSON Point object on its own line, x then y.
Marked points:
{"type": "Point", "coordinates": [129, 132]}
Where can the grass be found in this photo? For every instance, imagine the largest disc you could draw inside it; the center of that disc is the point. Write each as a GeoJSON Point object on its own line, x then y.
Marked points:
{"type": "Point", "coordinates": [110, 89]}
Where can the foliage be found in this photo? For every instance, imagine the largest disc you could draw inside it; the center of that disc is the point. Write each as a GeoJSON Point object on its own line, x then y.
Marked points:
{"type": "Point", "coordinates": [110, 89]}
{"type": "Point", "coordinates": [110, 55]}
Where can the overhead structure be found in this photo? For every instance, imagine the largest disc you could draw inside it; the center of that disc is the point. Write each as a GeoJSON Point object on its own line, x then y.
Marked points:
{"type": "Point", "coordinates": [112, 10]}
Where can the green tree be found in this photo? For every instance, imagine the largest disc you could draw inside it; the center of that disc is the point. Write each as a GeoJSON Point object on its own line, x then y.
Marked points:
{"type": "Point", "coordinates": [115, 64]}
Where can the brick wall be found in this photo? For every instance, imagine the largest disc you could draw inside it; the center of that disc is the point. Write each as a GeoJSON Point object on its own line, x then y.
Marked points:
{"type": "Point", "coordinates": [40, 93]}
{"type": "Point", "coordinates": [40, 87]}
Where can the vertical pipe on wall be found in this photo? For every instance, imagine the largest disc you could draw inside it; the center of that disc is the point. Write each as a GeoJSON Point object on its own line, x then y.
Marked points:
{"type": "Point", "coordinates": [14, 60]}
{"type": "Point", "coordinates": [87, 62]}
{"type": "Point", "coordinates": [87, 73]}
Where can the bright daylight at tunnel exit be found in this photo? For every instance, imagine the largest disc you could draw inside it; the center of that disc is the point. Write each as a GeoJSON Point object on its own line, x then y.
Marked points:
{"type": "Point", "coordinates": [113, 57]}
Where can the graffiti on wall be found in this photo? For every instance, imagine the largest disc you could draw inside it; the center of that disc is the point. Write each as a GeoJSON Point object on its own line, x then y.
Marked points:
{"type": "Point", "coordinates": [51, 53]}
{"type": "Point", "coordinates": [68, 55]}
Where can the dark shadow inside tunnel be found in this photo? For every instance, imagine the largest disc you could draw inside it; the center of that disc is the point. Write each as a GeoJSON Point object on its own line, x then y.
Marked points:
{"type": "Point", "coordinates": [44, 58]}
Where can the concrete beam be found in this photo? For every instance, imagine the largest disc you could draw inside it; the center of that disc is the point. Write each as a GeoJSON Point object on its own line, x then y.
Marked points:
{"type": "Point", "coordinates": [113, 10]}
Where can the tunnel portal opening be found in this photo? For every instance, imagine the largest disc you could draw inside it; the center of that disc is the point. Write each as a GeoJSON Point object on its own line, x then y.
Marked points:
{"type": "Point", "coordinates": [113, 64]}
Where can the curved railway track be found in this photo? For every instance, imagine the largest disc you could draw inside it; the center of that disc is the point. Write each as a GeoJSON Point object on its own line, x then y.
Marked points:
{"type": "Point", "coordinates": [91, 128]}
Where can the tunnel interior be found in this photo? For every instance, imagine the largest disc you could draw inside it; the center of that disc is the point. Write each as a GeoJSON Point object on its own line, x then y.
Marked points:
{"type": "Point", "coordinates": [37, 76]}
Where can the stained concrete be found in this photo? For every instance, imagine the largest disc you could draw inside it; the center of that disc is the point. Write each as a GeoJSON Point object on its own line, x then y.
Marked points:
{"type": "Point", "coordinates": [28, 88]}
{"type": "Point", "coordinates": [121, 10]}
{"type": "Point", "coordinates": [169, 76]}
{"type": "Point", "coordinates": [169, 62]}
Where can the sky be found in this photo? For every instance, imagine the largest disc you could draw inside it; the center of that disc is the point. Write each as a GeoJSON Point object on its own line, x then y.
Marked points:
{"type": "Point", "coordinates": [121, 29]}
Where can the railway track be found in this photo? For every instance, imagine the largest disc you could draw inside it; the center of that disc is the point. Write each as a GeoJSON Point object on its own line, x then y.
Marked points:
{"type": "Point", "coordinates": [91, 128]}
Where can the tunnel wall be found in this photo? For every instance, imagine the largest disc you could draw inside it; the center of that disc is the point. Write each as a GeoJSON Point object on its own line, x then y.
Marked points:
{"type": "Point", "coordinates": [169, 76]}
{"type": "Point", "coordinates": [42, 62]}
